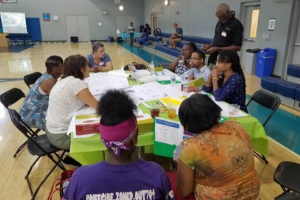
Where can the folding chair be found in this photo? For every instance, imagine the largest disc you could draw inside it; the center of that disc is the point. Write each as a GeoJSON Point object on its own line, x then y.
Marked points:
{"type": "Point", "coordinates": [27, 38]}
{"type": "Point", "coordinates": [11, 40]}
{"type": "Point", "coordinates": [37, 146]}
{"type": "Point", "coordinates": [269, 101]}
{"type": "Point", "coordinates": [30, 79]}
{"type": "Point", "coordinates": [9, 98]}
{"type": "Point", "coordinates": [287, 175]}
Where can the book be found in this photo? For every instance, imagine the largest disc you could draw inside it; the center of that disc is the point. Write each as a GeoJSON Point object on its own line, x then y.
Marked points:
{"type": "Point", "coordinates": [87, 124]}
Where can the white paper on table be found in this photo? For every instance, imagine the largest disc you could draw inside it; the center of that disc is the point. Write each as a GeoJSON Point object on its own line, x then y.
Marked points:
{"type": "Point", "coordinates": [147, 79]}
{"type": "Point", "coordinates": [100, 82]}
{"type": "Point", "coordinates": [146, 92]}
{"type": "Point", "coordinates": [143, 72]}
{"type": "Point", "coordinates": [118, 73]}
{"type": "Point", "coordinates": [143, 117]}
{"type": "Point", "coordinates": [168, 132]}
{"type": "Point", "coordinates": [225, 110]}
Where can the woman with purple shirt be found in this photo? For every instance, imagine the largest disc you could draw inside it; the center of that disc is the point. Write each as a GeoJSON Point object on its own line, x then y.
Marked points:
{"type": "Point", "coordinates": [119, 176]}
{"type": "Point", "coordinates": [227, 80]}
{"type": "Point", "coordinates": [99, 60]}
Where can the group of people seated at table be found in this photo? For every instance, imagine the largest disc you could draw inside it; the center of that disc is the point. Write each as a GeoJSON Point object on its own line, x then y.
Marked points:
{"type": "Point", "coordinates": [226, 81]}
{"type": "Point", "coordinates": [217, 163]}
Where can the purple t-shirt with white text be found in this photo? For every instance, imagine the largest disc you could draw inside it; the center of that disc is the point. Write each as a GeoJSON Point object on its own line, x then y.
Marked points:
{"type": "Point", "coordinates": [140, 180]}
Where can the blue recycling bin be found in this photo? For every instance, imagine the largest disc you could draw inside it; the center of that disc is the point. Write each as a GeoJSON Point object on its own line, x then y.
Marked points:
{"type": "Point", "coordinates": [265, 62]}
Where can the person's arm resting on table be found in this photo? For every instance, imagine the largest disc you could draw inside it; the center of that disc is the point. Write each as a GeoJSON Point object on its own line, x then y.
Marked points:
{"type": "Point", "coordinates": [230, 88]}
{"type": "Point", "coordinates": [86, 97]}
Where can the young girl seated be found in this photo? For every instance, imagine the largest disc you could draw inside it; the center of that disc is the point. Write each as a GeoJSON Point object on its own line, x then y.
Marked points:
{"type": "Point", "coordinates": [227, 81]}
{"type": "Point", "coordinates": [119, 176]}
{"type": "Point", "coordinates": [34, 108]}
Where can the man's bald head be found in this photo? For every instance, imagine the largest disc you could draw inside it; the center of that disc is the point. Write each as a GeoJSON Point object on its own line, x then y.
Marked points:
{"type": "Point", "coordinates": [223, 12]}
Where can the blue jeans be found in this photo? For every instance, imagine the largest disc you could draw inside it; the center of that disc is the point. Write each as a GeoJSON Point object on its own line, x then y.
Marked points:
{"type": "Point", "coordinates": [131, 37]}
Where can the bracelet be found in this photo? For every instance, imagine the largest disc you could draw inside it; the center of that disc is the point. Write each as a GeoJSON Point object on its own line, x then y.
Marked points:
{"type": "Point", "coordinates": [215, 78]}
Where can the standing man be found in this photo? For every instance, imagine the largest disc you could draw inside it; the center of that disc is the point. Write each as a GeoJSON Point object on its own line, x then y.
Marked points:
{"type": "Point", "coordinates": [131, 30]}
{"type": "Point", "coordinates": [228, 34]}
{"type": "Point", "coordinates": [176, 36]}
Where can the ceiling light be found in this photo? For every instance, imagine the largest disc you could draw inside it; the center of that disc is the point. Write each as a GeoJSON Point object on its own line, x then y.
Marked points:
{"type": "Point", "coordinates": [121, 8]}
{"type": "Point", "coordinates": [166, 2]}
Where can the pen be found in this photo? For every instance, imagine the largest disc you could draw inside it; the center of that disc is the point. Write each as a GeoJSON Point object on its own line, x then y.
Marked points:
{"type": "Point", "coordinates": [156, 73]}
{"type": "Point", "coordinates": [163, 73]}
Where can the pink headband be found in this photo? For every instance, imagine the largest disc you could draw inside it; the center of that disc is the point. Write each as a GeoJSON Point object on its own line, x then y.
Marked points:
{"type": "Point", "coordinates": [116, 137]}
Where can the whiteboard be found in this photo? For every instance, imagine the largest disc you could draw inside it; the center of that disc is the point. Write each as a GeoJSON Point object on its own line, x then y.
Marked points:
{"type": "Point", "coordinates": [13, 22]}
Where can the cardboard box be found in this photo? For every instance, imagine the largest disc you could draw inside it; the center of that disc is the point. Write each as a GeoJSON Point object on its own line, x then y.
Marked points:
{"type": "Point", "coordinates": [87, 124]}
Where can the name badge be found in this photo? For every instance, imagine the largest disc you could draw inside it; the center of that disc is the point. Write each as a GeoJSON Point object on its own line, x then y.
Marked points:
{"type": "Point", "coordinates": [224, 34]}
{"type": "Point", "coordinates": [101, 63]}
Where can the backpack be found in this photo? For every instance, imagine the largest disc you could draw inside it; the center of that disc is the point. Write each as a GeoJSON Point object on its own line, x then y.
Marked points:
{"type": "Point", "coordinates": [110, 39]}
{"type": "Point", "coordinates": [137, 66]}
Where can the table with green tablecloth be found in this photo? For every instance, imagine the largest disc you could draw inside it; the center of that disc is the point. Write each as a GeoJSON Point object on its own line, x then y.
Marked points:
{"type": "Point", "coordinates": [91, 150]}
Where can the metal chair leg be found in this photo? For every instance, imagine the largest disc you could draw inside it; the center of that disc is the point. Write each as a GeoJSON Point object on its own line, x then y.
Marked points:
{"type": "Point", "coordinates": [27, 175]}
{"type": "Point", "coordinates": [40, 185]}
{"type": "Point", "coordinates": [262, 157]}
{"type": "Point", "coordinates": [20, 148]}
{"type": "Point", "coordinates": [57, 163]}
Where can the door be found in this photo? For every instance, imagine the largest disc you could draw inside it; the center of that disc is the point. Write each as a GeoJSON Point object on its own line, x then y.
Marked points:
{"type": "Point", "coordinates": [249, 19]}
{"type": "Point", "coordinates": [78, 26]}
{"type": "Point", "coordinates": [71, 25]}
{"type": "Point", "coordinates": [83, 28]}
{"type": "Point", "coordinates": [296, 46]}
{"type": "Point", "coordinates": [154, 24]}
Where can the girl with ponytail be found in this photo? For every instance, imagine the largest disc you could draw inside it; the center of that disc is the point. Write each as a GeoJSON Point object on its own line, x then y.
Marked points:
{"type": "Point", "coordinates": [227, 81]}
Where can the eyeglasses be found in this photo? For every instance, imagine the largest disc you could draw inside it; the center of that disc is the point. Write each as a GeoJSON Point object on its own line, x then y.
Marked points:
{"type": "Point", "coordinates": [196, 58]}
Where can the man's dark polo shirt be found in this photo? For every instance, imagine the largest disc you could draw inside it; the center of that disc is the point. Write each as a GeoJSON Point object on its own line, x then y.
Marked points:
{"type": "Point", "coordinates": [227, 34]}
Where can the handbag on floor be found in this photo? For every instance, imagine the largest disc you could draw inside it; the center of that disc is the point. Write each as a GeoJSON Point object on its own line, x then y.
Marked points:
{"type": "Point", "coordinates": [61, 184]}
{"type": "Point", "coordinates": [137, 66]}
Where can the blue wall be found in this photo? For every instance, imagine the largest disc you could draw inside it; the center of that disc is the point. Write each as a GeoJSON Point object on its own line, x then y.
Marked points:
{"type": "Point", "coordinates": [33, 28]}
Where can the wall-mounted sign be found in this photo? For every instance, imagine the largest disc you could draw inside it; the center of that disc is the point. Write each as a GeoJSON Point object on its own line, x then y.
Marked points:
{"type": "Point", "coordinates": [271, 24]}
{"type": "Point", "coordinates": [46, 17]}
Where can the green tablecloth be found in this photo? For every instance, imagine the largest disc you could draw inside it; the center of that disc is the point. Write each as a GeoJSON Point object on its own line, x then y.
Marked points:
{"type": "Point", "coordinates": [91, 150]}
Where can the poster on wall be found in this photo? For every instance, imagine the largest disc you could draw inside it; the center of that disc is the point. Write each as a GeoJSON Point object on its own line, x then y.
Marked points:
{"type": "Point", "coordinates": [46, 17]}
{"type": "Point", "coordinates": [272, 24]}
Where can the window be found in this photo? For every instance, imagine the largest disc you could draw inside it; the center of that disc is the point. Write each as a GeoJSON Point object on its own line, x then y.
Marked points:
{"type": "Point", "coordinates": [254, 23]}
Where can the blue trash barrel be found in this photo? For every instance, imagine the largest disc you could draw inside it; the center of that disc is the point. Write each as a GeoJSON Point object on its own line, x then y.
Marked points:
{"type": "Point", "coordinates": [265, 62]}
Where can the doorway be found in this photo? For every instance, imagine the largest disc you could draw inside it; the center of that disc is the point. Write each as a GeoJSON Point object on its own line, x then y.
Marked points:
{"type": "Point", "coordinates": [294, 43]}
{"type": "Point", "coordinates": [78, 26]}
{"type": "Point", "coordinates": [154, 22]}
{"type": "Point", "coordinates": [249, 19]}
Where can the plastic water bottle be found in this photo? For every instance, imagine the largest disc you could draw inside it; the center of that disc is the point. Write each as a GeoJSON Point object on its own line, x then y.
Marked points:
{"type": "Point", "coordinates": [134, 75]}
{"type": "Point", "coordinates": [152, 67]}
{"type": "Point", "coordinates": [173, 81]}
{"type": "Point", "coordinates": [185, 85]}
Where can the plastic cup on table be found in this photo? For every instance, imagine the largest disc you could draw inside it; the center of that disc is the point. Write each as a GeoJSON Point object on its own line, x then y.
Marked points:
{"type": "Point", "coordinates": [154, 110]}
{"type": "Point", "coordinates": [172, 111]}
